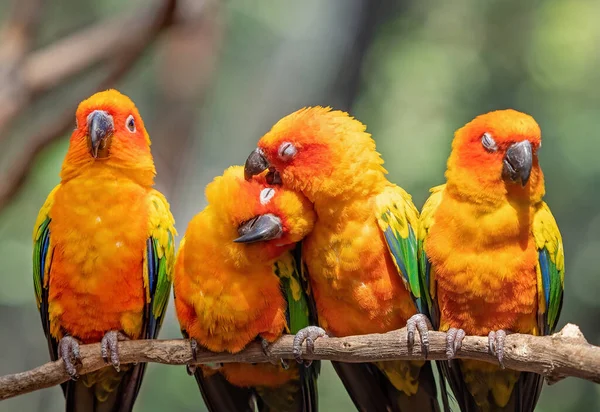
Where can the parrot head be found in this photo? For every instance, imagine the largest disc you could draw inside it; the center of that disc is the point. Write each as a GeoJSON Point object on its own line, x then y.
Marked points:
{"type": "Point", "coordinates": [320, 152]}
{"type": "Point", "coordinates": [109, 130]}
{"type": "Point", "coordinates": [497, 153]}
{"type": "Point", "coordinates": [259, 217]}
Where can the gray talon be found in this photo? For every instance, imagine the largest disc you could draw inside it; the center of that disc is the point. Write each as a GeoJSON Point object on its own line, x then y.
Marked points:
{"type": "Point", "coordinates": [265, 349]}
{"type": "Point", "coordinates": [68, 350]}
{"type": "Point", "coordinates": [496, 341]}
{"type": "Point", "coordinates": [421, 323]}
{"type": "Point", "coordinates": [309, 335]}
{"type": "Point", "coordinates": [454, 338]}
{"type": "Point", "coordinates": [109, 347]}
{"type": "Point", "coordinates": [191, 369]}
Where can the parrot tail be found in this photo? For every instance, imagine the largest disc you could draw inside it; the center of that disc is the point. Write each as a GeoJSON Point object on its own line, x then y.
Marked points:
{"type": "Point", "coordinates": [372, 391]}
{"type": "Point", "coordinates": [221, 396]}
{"type": "Point", "coordinates": [296, 395]}
{"type": "Point", "coordinates": [523, 398]}
{"type": "Point", "coordinates": [105, 390]}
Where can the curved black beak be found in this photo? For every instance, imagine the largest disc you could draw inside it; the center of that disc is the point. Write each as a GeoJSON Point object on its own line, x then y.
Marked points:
{"type": "Point", "coordinates": [518, 162]}
{"type": "Point", "coordinates": [100, 131]}
{"type": "Point", "coordinates": [260, 228]}
{"type": "Point", "coordinates": [255, 163]}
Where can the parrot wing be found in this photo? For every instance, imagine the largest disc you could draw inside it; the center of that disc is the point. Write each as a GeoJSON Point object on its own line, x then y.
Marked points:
{"type": "Point", "coordinates": [301, 312]}
{"type": "Point", "coordinates": [550, 269]}
{"type": "Point", "coordinates": [426, 276]}
{"type": "Point", "coordinates": [42, 260]}
{"type": "Point", "coordinates": [159, 257]}
{"type": "Point", "coordinates": [398, 219]}
{"type": "Point", "coordinates": [369, 387]}
{"type": "Point", "coordinates": [428, 288]}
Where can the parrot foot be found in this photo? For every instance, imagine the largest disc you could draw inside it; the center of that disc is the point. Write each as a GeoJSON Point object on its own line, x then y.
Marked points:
{"type": "Point", "coordinates": [454, 338]}
{"type": "Point", "coordinates": [496, 342]}
{"type": "Point", "coordinates": [68, 350]}
{"type": "Point", "coordinates": [265, 349]}
{"type": "Point", "coordinates": [309, 335]}
{"type": "Point", "coordinates": [191, 369]}
{"type": "Point", "coordinates": [421, 323]}
{"type": "Point", "coordinates": [110, 347]}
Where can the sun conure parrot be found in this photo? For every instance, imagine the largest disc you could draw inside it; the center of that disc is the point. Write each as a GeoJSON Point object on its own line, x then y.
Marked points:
{"type": "Point", "coordinates": [237, 280]}
{"type": "Point", "coordinates": [103, 252]}
{"type": "Point", "coordinates": [362, 254]}
{"type": "Point", "coordinates": [492, 255]}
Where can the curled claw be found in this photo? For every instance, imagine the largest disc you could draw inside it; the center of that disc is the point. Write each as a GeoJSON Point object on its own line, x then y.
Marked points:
{"type": "Point", "coordinates": [496, 341]}
{"type": "Point", "coordinates": [68, 350]}
{"type": "Point", "coordinates": [454, 338]}
{"type": "Point", "coordinates": [265, 349]}
{"type": "Point", "coordinates": [110, 347]}
{"type": "Point", "coordinates": [191, 369]}
{"type": "Point", "coordinates": [421, 323]}
{"type": "Point", "coordinates": [309, 335]}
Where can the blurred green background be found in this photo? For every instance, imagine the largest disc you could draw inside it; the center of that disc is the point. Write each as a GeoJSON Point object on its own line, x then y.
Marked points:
{"type": "Point", "coordinates": [224, 72]}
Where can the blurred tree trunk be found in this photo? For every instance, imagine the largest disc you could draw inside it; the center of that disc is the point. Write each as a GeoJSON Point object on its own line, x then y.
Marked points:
{"type": "Point", "coordinates": [187, 61]}
{"type": "Point", "coordinates": [372, 15]}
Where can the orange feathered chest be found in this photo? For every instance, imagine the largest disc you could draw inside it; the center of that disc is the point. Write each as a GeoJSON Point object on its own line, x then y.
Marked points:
{"type": "Point", "coordinates": [225, 308]}
{"type": "Point", "coordinates": [484, 262]}
{"type": "Point", "coordinates": [356, 285]}
{"type": "Point", "coordinates": [229, 306]}
{"type": "Point", "coordinates": [98, 231]}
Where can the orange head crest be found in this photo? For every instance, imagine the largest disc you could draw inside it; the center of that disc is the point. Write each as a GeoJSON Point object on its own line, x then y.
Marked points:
{"type": "Point", "coordinates": [259, 212]}
{"type": "Point", "coordinates": [497, 150]}
{"type": "Point", "coordinates": [109, 130]}
{"type": "Point", "coordinates": [319, 152]}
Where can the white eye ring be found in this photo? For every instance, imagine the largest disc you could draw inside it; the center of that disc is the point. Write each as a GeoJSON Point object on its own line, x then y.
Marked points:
{"type": "Point", "coordinates": [266, 195]}
{"type": "Point", "coordinates": [76, 124]}
{"type": "Point", "coordinates": [287, 151]}
{"type": "Point", "coordinates": [488, 142]}
{"type": "Point", "coordinates": [130, 123]}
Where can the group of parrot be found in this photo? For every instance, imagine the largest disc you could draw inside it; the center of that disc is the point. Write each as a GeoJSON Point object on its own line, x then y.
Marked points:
{"type": "Point", "coordinates": [308, 238]}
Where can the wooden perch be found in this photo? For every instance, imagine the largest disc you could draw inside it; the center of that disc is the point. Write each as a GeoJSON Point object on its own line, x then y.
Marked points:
{"type": "Point", "coordinates": [563, 354]}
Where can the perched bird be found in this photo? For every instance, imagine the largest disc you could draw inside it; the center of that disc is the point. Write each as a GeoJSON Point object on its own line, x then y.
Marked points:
{"type": "Point", "coordinates": [103, 252]}
{"type": "Point", "coordinates": [362, 253]}
{"type": "Point", "coordinates": [492, 255]}
{"type": "Point", "coordinates": [238, 280]}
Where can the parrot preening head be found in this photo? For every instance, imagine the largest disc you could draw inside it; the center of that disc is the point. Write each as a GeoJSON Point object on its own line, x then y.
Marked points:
{"type": "Point", "coordinates": [319, 151]}
{"type": "Point", "coordinates": [109, 130]}
{"type": "Point", "coordinates": [496, 154]}
{"type": "Point", "coordinates": [264, 221]}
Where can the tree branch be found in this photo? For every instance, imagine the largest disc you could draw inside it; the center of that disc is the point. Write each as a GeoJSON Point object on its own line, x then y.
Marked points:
{"type": "Point", "coordinates": [563, 354]}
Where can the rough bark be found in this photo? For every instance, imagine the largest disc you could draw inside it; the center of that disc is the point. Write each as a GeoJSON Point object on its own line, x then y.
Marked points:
{"type": "Point", "coordinates": [563, 354]}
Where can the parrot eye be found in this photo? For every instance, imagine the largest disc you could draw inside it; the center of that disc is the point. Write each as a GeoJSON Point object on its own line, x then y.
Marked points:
{"type": "Point", "coordinates": [266, 195]}
{"type": "Point", "coordinates": [488, 142]}
{"type": "Point", "coordinates": [287, 151]}
{"type": "Point", "coordinates": [130, 124]}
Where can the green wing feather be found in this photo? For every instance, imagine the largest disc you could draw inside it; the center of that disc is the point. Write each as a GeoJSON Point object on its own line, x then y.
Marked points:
{"type": "Point", "coordinates": [398, 219]}
{"type": "Point", "coordinates": [301, 312]}
{"type": "Point", "coordinates": [427, 277]}
{"type": "Point", "coordinates": [550, 269]}
{"type": "Point", "coordinates": [159, 258]}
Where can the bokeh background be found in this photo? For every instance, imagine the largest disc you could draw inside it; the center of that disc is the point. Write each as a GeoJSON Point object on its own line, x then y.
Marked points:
{"type": "Point", "coordinates": [210, 77]}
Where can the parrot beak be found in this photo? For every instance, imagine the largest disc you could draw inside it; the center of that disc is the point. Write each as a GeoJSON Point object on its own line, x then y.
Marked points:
{"type": "Point", "coordinates": [260, 228]}
{"type": "Point", "coordinates": [100, 131]}
{"type": "Point", "coordinates": [518, 162]}
{"type": "Point", "coordinates": [255, 163]}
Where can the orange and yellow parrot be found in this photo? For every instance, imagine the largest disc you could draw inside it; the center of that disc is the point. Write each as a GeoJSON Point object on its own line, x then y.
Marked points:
{"type": "Point", "coordinates": [238, 279]}
{"type": "Point", "coordinates": [103, 252]}
{"type": "Point", "coordinates": [362, 254]}
{"type": "Point", "coordinates": [492, 255]}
